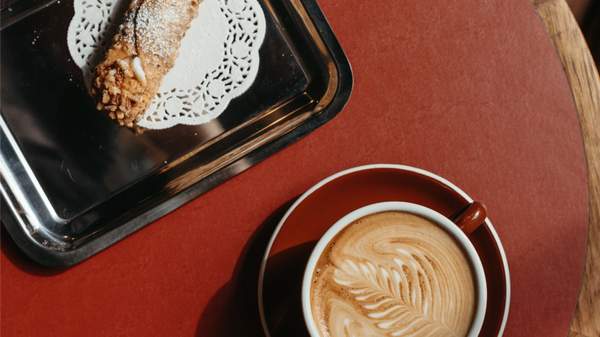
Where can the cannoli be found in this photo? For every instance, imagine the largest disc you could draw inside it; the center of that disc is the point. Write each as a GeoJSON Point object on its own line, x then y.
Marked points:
{"type": "Point", "coordinates": [142, 52]}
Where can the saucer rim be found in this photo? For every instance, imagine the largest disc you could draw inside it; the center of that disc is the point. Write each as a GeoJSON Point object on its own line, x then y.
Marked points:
{"type": "Point", "coordinates": [399, 167]}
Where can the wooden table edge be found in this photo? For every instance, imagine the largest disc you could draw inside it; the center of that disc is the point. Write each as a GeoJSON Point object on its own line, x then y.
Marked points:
{"type": "Point", "coordinates": [582, 76]}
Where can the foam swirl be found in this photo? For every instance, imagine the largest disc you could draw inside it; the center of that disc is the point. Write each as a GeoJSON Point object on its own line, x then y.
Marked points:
{"type": "Point", "coordinates": [393, 274]}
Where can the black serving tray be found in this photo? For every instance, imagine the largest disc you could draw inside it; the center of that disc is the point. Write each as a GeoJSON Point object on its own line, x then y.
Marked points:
{"type": "Point", "coordinates": [73, 182]}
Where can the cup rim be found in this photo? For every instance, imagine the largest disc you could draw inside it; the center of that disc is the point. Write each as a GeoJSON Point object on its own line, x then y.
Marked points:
{"type": "Point", "coordinates": [428, 213]}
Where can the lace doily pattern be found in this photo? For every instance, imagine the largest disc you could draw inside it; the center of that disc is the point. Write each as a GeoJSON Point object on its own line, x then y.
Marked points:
{"type": "Point", "coordinates": [90, 32]}
{"type": "Point", "coordinates": [217, 62]}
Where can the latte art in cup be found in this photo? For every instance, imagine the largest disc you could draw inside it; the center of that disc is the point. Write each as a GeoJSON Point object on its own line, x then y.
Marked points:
{"type": "Point", "coordinates": [393, 274]}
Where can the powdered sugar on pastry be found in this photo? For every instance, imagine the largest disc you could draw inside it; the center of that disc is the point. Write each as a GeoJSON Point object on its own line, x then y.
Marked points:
{"type": "Point", "coordinates": [141, 54]}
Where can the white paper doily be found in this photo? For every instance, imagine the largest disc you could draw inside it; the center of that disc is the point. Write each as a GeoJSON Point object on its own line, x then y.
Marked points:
{"type": "Point", "coordinates": [218, 59]}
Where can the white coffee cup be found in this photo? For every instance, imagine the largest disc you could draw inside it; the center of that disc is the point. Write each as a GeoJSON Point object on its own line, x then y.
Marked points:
{"type": "Point", "coordinates": [446, 224]}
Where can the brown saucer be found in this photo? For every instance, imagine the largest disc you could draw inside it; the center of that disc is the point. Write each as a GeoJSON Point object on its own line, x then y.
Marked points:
{"type": "Point", "coordinates": [322, 205]}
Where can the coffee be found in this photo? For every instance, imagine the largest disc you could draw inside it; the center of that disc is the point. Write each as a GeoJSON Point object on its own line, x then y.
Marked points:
{"type": "Point", "coordinates": [393, 274]}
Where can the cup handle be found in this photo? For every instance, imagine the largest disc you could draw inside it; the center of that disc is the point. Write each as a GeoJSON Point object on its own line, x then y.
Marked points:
{"type": "Point", "coordinates": [472, 217]}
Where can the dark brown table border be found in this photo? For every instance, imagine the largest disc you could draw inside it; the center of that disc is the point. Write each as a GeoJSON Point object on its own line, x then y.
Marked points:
{"type": "Point", "coordinates": [583, 78]}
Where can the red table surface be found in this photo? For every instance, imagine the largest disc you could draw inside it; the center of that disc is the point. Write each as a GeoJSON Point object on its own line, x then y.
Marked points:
{"type": "Point", "coordinates": [471, 90]}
